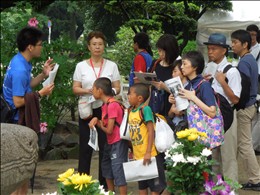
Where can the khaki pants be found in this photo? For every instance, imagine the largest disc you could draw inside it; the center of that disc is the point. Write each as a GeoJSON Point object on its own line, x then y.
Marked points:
{"type": "Point", "coordinates": [245, 146]}
{"type": "Point", "coordinates": [229, 152]}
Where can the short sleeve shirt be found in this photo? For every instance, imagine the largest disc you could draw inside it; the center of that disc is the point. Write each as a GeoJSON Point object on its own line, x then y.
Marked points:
{"type": "Point", "coordinates": [234, 80]}
{"type": "Point", "coordinates": [139, 132]}
{"type": "Point", "coordinates": [85, 74]}
{"type": "Point", "coordinates": [113, 110]}
{"type": "Point", "coordinates": [17, 79]}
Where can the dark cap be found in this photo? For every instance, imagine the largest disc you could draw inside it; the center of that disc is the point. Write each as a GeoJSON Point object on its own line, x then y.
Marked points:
{"type": "Point", "coordinates": [217, 39]}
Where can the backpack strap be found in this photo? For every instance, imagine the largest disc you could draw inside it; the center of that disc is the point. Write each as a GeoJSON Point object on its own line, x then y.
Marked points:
{"type": "Point", "coordinates": [111, 100]}
{"type": "Point", "coordinates": [257, 57]}
{"type": "Point", "coordinates": [148, 61]}
{"type": "Point", "coordinates": [226, 69]}
{"type": "Point", "coordinates": [154, 65]}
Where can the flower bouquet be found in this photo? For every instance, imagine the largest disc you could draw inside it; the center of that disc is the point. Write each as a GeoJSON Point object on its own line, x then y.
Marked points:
{"type": "Point", "coordinates": [71, 183]}
{"type": "Point", "coordinates": [186, 161]}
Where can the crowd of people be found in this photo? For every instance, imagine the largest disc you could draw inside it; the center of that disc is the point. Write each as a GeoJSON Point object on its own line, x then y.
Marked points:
{"type": "Point", "coordinates": [100, 77]}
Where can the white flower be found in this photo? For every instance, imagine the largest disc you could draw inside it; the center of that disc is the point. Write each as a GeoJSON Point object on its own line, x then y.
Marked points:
{"type": "Point", "coordinates": [176, 158]}
{"type": "Point", "coordinates": [206, 152]}
{"type": "Point", "coordinates": [102, 191]}
{"type": "Point", "coordinates": [193, 160]}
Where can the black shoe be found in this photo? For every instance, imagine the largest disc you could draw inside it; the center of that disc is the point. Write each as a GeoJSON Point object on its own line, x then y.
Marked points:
{"type": "Point", "coordinates": [251, 186]}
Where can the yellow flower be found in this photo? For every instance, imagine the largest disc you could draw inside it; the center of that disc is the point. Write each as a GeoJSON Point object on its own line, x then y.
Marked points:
{"type": "Point", "coordinates": [202, 134]}
{"type": "Point", "coordinates": [81, 180]}
{"type": "Point", "coordinates": [193, 130]}
{"type": "Point", "coordinates": [65, 175]}
{"type": "Point", "coordinates": [192, 137]}
{"type": "Point", "coordinates": [182, 134]}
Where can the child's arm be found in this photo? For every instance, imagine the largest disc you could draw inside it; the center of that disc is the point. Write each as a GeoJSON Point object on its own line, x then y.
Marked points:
{"type": "Point", "coordinates": [110, 126]}
{"type": "Point", "coordinates": [147, 156]}
{"type": "Point", "coordinates": [93, 122]}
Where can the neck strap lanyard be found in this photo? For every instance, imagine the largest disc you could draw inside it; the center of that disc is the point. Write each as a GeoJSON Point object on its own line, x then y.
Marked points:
{"type": "Point", "coordinates": [100, 69]}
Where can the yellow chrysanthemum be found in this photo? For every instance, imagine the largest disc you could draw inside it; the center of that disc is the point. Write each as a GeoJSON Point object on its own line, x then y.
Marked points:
{"type": "Point", "coordinates": [182, 134]}
{"type": "Point", "coordinates": [67, 182]}
{"type": "Point", "coordinates": [192, 137]}
{"type": "Point", "coordinates": [81, 180]}
{"type": "Point", "coordinates": [193, 130]}
{"type": "Point", "coordinates": [202, 134]}
{"type": "Point", "coordinates": [65, 175]}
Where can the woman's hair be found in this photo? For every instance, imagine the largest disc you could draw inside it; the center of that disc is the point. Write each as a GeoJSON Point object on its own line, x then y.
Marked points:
{"type": "Point", "coordinates": [142, 90]}
{"type": "Point", "coordinates": [169, 44]}
{"type": "Point", "coordinates": [96, 34]}
{"type": "Point", "coordinates": [142, 39]}
{"type": "Point", "coordinates": [28, 36]}
{"type": "Point", "coordinates": [104, 84]}
{"type": "Point", "coordinates": [243, 36]}
{"type": "Point", "coordinates": [197, 60]}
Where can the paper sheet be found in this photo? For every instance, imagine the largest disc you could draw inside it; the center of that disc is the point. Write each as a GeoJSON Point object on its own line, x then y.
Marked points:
{"type": "Point", "coordinates": [52, 76]}
{"type": "Point", "coordinates": [136, 171]}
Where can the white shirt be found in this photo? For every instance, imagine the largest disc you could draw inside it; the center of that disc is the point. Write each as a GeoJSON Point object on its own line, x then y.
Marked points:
{"type": "Point", "coordinates": [85, 74]}
{"type": "Point", "coordinates": [254, 50]}
{"type": "Point", "coordinates": [234, 80]}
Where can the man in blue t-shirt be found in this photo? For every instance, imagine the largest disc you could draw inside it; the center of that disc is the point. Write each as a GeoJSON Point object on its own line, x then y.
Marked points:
{"type": "Point", "coordinates": [241, 43]}
{"type": "Point", "coordinates": [18, 80]}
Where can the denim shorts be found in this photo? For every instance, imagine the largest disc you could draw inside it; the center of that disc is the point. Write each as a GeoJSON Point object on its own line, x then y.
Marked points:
{"type": "Point", "coordinates": [157, 184]}
{"type": "Point", "coordinates": [112, 163]}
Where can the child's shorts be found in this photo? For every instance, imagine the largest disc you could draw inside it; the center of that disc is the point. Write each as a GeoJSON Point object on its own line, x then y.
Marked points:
{"type": "Point", "coordinates": [112, 163]}
{"type": "Point", "coordinates": [157, 184]}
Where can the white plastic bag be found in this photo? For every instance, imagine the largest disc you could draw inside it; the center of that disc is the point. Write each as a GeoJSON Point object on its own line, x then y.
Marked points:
{"type": "Point", "coordinates": [85, 108]}
{"type": "Point", "coordinates": [93, 139]}
{"type": "Point", "coordinates": [124, 127]}
{"type": "Point", "coordinates": [164, 136]}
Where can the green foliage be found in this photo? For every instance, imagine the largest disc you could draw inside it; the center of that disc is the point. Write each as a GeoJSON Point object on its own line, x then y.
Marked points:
{"type": "Point", "coordinates": [66, 52]}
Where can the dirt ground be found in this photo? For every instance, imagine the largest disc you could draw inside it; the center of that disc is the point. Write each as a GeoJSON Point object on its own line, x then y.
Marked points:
{"type": "Point", "coordinates": [47, 173]}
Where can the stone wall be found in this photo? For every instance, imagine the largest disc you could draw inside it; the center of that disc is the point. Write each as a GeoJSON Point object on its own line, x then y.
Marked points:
{"type": "Point", "coordinates": [62, 144]}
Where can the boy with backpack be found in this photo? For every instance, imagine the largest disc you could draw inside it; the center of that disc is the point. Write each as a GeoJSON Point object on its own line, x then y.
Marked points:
{"type": "Point", "coordinates": [241, 43]}
{"type": "Point", "coordinates": [116, 149]}
{"type": "Point", "coordinates": [142, 138]}
{"type": "Point", "coordinates": [227, 83]}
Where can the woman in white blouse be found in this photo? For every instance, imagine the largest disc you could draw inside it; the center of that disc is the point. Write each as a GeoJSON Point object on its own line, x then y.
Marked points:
{"type": "Point", "coordinates": [85, 74]}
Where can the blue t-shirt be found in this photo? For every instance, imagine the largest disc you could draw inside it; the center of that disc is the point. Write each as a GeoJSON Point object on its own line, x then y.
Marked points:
{"type": "Point", "coordinates": [206, 93]}
{"type": "Point", "coordinates": [17, 79]}
{"type": "Point", "coordinates": [248, 66]}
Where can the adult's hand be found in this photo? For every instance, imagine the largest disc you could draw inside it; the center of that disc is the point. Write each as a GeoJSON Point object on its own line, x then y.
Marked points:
{"type": "Point", "coordinates": [47, 90]}
{"type": "Point", "coordinates": [48, 66]}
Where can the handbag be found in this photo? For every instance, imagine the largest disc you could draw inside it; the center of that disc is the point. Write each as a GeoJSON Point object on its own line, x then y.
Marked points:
{"type": "Point", "coordinates": [213, 127]}
{"type": "Point", "coordinates": [85, 108]}
{"type": "Point", "coordinates": [124, 127]}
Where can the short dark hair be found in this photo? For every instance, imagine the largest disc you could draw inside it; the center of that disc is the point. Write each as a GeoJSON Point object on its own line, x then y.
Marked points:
{"type": "Point", "coordinates": [169, 44]}
{"type": "Point", "coordinates": [177, 63]}
{"type": "Point", "coordinates": [96, 34]}
{"type": "Point", "coordinates": [105, 85]}
{"type": "Point", "coordinates": [197, 60]}
{"type": "Point", "coordinates": [142, 39]}
{"type": "Point", "coordinates": [252, 27]}
{"type": "Point", "coordinates": [28, 36]}
{"type": "Point", "coordinates": [243, 36]}
{"type": "Point", "coordinates": [142, 90]}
